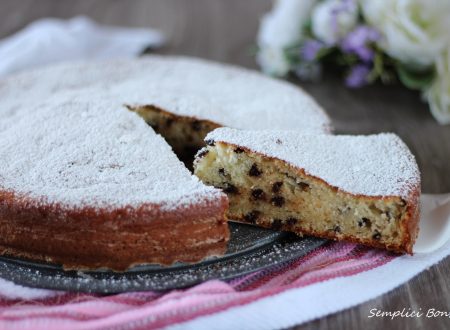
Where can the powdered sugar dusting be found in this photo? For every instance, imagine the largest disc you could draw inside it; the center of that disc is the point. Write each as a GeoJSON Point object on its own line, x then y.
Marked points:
{"type": "Point", "coordinates": [373, 165]}
{"type": "Point", "coordinates": [68, 138]}
{"type": "Point", "coordinates": [227, 95]}
{"type": "Point", "coordinates": [77, 152]}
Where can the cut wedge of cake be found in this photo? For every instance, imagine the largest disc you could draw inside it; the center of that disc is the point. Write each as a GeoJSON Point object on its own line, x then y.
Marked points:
{"type": "Point", "coordinates": [88, 184]}
{"type": "Point", "coordinates": [362, 189]}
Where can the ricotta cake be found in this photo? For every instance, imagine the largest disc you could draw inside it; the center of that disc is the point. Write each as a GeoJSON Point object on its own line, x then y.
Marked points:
{"type": "Point", "coordinates": [88, 184]}
{"type": "Point", "coordinates": [363, 189]}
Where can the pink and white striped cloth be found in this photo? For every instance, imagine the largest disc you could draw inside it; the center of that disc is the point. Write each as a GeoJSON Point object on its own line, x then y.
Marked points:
{"type": "Point", "coordinates": [54, 310]}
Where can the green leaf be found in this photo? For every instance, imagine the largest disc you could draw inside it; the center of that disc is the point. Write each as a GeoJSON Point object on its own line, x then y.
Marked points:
{"type": "Point", "coordinates": [325, 51]}
{"type": "Point", "coordinates": [252, 50]}
{"type": "Point", "coordinates": [307, 28]}
{"type": "Point", "coordinates": [414, 79]}
{"type": "Point", "coordinates": [378, 67]}
{"type": "Point", "coordinates": [292, 54]}
{"type": "Point", "coordinates": [346, 60]}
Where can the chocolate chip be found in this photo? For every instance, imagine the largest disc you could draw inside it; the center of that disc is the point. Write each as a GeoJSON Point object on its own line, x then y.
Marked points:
{"type": "Point", "coordinates": [364, 222]}
{"type": "Point", "coordinates": [276, 224]}
{"type": "Point", "coordinates": [196, 125]}
{"type": "Point", "coordinates": [252, 216]}
{"type": "Point", "coordinates": [230, 189]}
{"type": "Point", "coordinates": [376, 235]}
{"type": "Point", "coordinates": [278, 141]}
{"type": "Point", "coordinates": [169, 122]}
{"type": "Point", "coordinates": [221, 171]}
{"type": "Point", "coordinates": [375, 209]}
{"type": "Point", "coordinates": [277, 201]}
{"type": "Point", "coordinates": [304, 186]}
{"type": "Point", "coordinates": [291, 221]}
{"type": "Point", "coordinates": [202, 153]}
{"type": "Point", "coordinates": [337, 229]}
{"type": "Point", "coordinates": [388, 215]}
{"type": "Point", "coordinates": [254, 171]}
{"type": "Point", "coordinates": [344, 209]}
{"type": "Point", "coordinates": [210, 142]}
{"type": "Point", "coordinates": [238, 150]}
{"type": "Point", "coordinates": [277, 186]}
{"type": "Point", "coordinates": [258, 194]}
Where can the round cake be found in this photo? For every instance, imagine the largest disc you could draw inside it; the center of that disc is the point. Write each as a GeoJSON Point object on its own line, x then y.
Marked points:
{"type": "Point", "coordinates": [86, 183]}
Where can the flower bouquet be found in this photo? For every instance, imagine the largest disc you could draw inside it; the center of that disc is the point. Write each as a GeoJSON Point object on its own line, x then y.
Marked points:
{"type": "Point", "coordinates": [368, 40]}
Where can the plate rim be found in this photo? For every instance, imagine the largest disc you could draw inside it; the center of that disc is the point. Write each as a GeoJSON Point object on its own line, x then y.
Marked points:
{"type": "Point", "coordinates": [39, 274]}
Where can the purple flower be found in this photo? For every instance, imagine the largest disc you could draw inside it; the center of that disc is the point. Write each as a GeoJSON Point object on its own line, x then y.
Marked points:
{"type": "Point", "coordinates": [358, 42]}
{"type": "Point", "coordinates": [358, 76]}
{"type": "Point", "coordinates": [311, 49]}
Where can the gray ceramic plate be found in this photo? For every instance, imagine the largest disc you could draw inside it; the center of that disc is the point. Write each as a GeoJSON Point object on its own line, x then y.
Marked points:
{"type": "Point", "coordinates": [250, 249]}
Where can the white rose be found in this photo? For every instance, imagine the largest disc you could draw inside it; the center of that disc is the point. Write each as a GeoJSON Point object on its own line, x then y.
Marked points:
{"type": "Point", "coordinates": [438, 95]}
{"type": "Point", "coordinates": [414, 31]}
{"type": "Point", "coordinates": [279, 29]}
{"type": "Point", "coordinates": [333, 19]}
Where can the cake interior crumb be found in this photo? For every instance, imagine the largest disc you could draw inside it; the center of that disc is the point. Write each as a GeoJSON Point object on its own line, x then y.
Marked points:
{"type": "Point", "coordinates": [283, 197]}
{"type": "Point", "coordinates": [184, 134]}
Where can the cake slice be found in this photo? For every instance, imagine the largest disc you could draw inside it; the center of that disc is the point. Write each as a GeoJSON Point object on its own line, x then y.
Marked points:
{"type": "Point", "coordinates": [88, 184]}
{"type": "Point", "coordinates": [363, 189]}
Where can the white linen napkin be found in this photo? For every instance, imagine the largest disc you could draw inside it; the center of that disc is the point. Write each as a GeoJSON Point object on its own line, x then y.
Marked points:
{"type": "Point", "coordinates": [434, 223]}
{"type": "Point", "coordinates": [51, 40]}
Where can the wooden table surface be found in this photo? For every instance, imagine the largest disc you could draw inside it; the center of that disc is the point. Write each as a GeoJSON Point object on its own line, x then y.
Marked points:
{"type": "Point", "coordinates": [224, 30]}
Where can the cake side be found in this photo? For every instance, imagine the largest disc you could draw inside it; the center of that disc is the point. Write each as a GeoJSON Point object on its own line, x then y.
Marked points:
{"type": "Point", "coordinates": [114, 238]}
{"type": "Point", "coordinates": [272, 193]}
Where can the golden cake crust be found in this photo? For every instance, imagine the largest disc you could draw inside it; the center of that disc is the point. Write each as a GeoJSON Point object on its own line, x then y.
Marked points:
{"type": "Point", "coordinates": [90, 238]}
